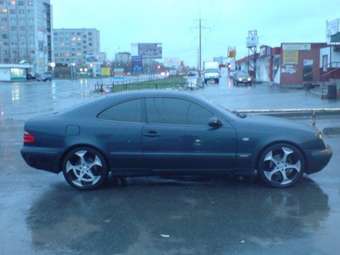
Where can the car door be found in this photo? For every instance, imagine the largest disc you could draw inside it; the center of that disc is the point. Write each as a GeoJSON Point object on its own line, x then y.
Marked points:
{"type": "Point", "coordinates": [177, 137]}
{"type": "Point", "coordinates": [121, 127]}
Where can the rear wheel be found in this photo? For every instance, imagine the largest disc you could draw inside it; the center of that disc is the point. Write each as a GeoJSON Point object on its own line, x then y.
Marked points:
{"type": "Point", "coordinates": [281, 165]}
{"type": "Point", "coordinates": [85, 168]}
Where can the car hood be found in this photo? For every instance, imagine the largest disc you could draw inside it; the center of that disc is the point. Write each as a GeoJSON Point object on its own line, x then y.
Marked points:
{"type": "Point", "coordinates": [275, 123]}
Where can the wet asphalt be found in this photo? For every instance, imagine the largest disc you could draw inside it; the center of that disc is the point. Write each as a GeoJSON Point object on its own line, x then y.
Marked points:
{"type": "Point", "coordinates": [41, 214]}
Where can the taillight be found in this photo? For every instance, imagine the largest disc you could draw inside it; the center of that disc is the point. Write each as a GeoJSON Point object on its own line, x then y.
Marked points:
{"type": "Point", "coordinates": [28, 138]}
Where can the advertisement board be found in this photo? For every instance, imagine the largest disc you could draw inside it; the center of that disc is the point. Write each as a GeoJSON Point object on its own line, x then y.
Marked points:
{"type": "Point", "coordinates": [150, 50]}
{"type": "Point", "coordinates": [252, 39]}
{"type": "Point", "coordinates": [106, 71]}
{"type": "Point", "coordinates": [296, 46]}
{"type": "Point", "coordinates": [290, 57]}
{"type": "Point", "coordinates": [333, 27]}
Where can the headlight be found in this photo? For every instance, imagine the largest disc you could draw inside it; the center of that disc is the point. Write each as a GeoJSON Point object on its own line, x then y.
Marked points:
{"type": "Point", "coordinates": [240, 79]}
{"type": "Point", "coordinates": [249, 79]}
{"type": "Point", "coordinates": [319, 135]}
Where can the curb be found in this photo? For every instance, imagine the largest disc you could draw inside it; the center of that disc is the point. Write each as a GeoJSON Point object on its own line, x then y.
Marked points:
{"type": "Point", "coordinates": [294, 112]}
{"type": "Point", "coordinates": [331, 131]}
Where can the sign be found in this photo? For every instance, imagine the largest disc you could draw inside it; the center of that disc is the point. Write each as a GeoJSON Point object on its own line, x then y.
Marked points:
{"type": "Point", "coordinates": [137, 64]}
{"type": "Point", "coordinates": [333, 27]}
{"type": "Point", "coordinates": [296, 46]}
{"type": "Point", "coordinates": [150, 50]}
{"type": "Point", "coordinates": [252, 39]}
{"type": "Point", "coordinates": [91, 58]}
{"type": "Point", "coordinates": [290, 69]}
{"type": "Point", "coordinates": [290, 57]}
{"type": "Point", "coordinates": [231, 52]}
{"type": "Point", "coordinates": [106, 71]}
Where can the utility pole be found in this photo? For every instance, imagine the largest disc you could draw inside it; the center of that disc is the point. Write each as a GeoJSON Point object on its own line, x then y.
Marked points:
{"type": "Point", "coordinates": [200, 48]}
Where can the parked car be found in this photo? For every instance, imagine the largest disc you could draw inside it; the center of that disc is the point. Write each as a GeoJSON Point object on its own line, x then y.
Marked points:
{"type": "Point", "coordinates": [146, 133]}
{"type": "Point", "coordinates": [44, 77]}
{"type": "Point", "coordinates": [30, 77]}
{"type": "Point", "coordinates": [241, 77]}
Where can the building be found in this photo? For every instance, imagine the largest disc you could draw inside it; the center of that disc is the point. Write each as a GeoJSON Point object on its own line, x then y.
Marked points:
{"type": "Point", "coordinates": [330, 54]}
{"type": "Point", "coordinates": [76, 46]}
{"type": "Point", "coordinates": [291, 64]}
{"type": "Point", "coordinates": [25, 33]}
{"type": "Point", "coordinates": [14, 72]}
{"type": "Point", "coordinates": [300, 63]}
{"type": "Point", "coordinates": [123, 58]}
{"type": "Point", "coordinates": [268, 64]}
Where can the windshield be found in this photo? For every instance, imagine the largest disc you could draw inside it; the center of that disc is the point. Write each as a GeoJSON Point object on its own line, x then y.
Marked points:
{"type": "Point", "coordinates": [211, 70]}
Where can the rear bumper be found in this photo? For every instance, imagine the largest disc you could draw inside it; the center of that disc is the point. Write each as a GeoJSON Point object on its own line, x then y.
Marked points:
{"type": "Point", "coordinates": [318, 159]}
{"type": "Point", "coordinates": [47, 159]}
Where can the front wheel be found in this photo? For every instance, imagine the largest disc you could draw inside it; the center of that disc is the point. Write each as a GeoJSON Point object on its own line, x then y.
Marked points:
{"type": "Point", "coordinates": [281, 165]}
{"type": "Point", "coordinates": [85, 168]}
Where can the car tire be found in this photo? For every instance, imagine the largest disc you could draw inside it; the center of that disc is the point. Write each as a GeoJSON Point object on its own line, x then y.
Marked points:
{"type": "Point", "coordinates": [85, 168]}
{"type": "Point", "coordinates": [281, 165]}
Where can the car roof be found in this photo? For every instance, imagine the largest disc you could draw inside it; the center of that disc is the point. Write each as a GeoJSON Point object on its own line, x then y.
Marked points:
{"type": "Point", "coordinates": [148, 93]}
{"type": "Point", "coordinates": [104, 102]}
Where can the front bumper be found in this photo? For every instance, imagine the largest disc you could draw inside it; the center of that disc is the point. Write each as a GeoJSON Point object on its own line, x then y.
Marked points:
{"type": "Point", "coordinates": [318, 159]}
{"type": "Point", "coordinates": [47, 159]}
{"type": "Point", "coordinates": [243, 81]}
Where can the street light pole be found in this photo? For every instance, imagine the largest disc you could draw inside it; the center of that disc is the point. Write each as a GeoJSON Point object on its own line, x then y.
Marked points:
{"type": "Point", "coordinates": [200, 48]}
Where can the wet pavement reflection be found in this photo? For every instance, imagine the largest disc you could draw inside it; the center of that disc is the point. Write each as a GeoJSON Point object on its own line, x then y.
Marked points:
{"type": "Point", "coordinates": [155, 216]}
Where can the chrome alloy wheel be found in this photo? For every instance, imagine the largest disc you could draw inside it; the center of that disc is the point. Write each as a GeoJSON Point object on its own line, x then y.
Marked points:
{"type": "Point", "coordinates": [83, 168]}
{"type": "Point", "coordinates": [282, 166]}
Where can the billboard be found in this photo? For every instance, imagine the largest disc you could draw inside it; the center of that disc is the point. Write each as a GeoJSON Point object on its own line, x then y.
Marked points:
{"type": "Point", "coordinates": [150, 50]}
{"type": "Point", "coordinates": [252, 39]}
{"type": "Point", "coordinates": [333, 27]}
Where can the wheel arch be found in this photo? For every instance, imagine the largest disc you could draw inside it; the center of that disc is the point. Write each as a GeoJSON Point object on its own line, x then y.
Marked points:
{"type": "Point", "coordinates": [83, 145]}
{"type": "Point", "coordinates": [259, 153]}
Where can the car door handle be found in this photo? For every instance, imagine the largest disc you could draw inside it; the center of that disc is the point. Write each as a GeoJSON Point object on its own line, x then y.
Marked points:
{"type": "Point", "coordinates": [151, 133]}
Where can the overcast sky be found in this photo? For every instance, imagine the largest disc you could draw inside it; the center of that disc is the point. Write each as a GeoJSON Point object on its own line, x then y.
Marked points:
{"type": "Point", "coordinates": [174, 23]}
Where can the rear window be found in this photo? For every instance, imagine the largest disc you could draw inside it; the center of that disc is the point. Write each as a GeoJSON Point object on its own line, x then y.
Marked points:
{"type": "Point", "coordinates": [130, 111]}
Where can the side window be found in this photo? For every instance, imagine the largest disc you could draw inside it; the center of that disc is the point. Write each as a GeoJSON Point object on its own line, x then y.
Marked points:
{"type": "Point", "coordinates": [198, 115]}
{"type": "Point", "coordinates": [130, 111]}
{"type": "Point", "coordinates": [167, 110]}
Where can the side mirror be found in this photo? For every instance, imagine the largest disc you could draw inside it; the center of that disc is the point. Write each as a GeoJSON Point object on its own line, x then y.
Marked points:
{"type": "Point", "coordinates": [214, 122]}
